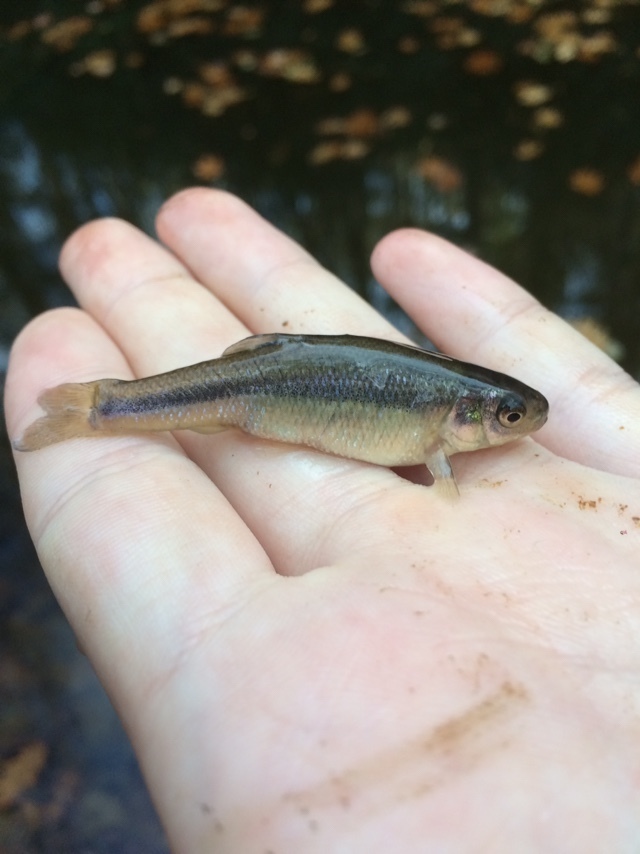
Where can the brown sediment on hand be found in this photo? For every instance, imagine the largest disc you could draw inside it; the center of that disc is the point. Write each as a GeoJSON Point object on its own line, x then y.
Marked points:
{"type": "Point", "coordinates": [427, 762]}
{"type": "Point", "coordinates": [490, 484]}
{"type": "Point", "coordinates": [458, 733]}
{"type": "Point", "coordinates": [588, 503]}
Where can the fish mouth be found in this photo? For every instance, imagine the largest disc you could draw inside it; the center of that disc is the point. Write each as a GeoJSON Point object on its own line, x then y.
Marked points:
{"type": "Point", "coordinates": [538, 412]}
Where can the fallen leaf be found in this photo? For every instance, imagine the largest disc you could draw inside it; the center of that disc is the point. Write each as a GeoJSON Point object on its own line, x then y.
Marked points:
{"type": "Point", "coordinates": [20, 772]}
{"type": "Point", "coordinates": [208, 167]}
{"type": "Point", "coordinates": [587, 181]}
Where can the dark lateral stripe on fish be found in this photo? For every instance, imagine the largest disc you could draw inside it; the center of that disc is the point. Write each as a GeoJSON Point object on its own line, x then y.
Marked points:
{"type": "Point", "coordinates": [395, 392]}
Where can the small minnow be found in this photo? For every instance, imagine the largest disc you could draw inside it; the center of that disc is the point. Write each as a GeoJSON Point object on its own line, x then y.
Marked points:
{"type": "Point", "coordinates": [362, 398]}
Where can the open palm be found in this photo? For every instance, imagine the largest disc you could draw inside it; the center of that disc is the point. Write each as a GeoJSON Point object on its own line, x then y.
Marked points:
{"type": "Point", "coordinates": [316, 654]}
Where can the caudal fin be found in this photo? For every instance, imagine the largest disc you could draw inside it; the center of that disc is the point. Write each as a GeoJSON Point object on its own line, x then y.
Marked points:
{"type": "Point", "coordinates": [68, 409]}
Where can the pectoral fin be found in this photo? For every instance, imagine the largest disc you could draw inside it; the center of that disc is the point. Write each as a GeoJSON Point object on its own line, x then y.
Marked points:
{"type": "Point", "coordinates": [438, 464]}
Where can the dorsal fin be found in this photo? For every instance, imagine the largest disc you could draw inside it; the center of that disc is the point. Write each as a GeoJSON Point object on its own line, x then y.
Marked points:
{"type": "Point", "coordinates": [258, 342]}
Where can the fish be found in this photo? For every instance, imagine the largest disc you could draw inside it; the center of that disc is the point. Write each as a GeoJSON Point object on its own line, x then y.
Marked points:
{"type": "Point", "coordinates": [363, 398]}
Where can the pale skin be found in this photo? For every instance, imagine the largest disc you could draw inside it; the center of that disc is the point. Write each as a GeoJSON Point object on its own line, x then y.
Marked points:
{"type": "Point", "coordinates": [312, 654]}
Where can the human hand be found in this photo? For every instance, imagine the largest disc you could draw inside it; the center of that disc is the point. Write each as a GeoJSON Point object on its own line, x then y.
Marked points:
{"type": "Point", "coordinates": [315, 654]}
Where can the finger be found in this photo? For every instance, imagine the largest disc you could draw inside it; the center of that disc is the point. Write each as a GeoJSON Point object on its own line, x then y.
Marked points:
{"type": "Point", "coordinates": [594, 405]}
{"type": "Point", "coordinates": [162, 319]}
{"type": "Point", "coordinates": [145, 297]}
{"type": "Point", "coordinates": [123, 526]}
{"type": "Point", "coordinates": [264, 277]}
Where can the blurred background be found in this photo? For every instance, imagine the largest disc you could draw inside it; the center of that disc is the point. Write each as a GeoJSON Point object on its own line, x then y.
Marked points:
{"type": "Point", "coordinates": [511, 128]}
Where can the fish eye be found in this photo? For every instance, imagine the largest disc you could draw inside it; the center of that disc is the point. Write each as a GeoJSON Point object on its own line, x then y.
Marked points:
{"type": "Point", "coordinates": [511, 412]}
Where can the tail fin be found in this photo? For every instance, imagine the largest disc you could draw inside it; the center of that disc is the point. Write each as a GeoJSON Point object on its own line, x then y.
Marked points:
{"type": "Point", "coordinates": [68, 409]}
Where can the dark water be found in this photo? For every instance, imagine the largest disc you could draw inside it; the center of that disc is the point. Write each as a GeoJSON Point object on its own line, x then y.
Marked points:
{"type": "Point", "coordinates": [512, 131]}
